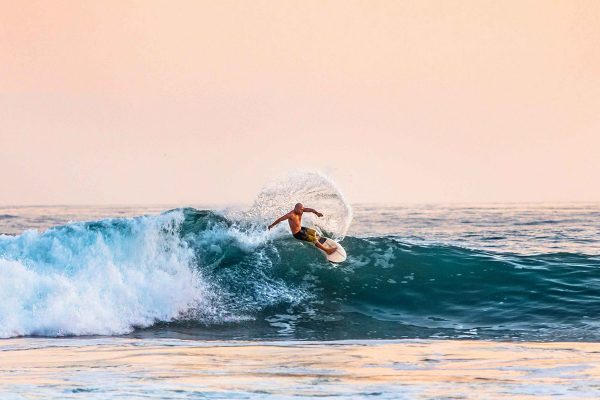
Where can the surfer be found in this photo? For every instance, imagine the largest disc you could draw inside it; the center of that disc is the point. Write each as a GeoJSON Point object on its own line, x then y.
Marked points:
{"type": "Point", "coordinates": [300, 232]}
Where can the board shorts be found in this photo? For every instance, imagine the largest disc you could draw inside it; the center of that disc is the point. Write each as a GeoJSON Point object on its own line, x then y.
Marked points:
{"type": "Point", "coordinates": [307, 234]}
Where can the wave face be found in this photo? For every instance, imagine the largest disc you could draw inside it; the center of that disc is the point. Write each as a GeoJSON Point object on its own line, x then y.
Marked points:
{"type": "Point", "coordinates": [198, 272]}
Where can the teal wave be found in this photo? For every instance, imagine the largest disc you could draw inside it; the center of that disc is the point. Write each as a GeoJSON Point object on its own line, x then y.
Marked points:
{"type": "Point", "coordinates": [196, 273]}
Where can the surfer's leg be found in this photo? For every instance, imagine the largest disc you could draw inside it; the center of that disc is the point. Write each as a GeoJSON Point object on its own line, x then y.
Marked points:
{"type": "Point", "coordinates": [313, 237]}
{"type": "Point", "coordinates": [303, 235]}
{"type": "Point", "coordinates": [306, 234]}
{"type": "Point", "coordinates": [325, 249]}
{"type": "Point", "coordinates": [310, 235]}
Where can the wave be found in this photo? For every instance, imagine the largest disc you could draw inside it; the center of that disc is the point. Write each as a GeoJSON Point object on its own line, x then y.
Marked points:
{"type": "Point", "coordinates": [221, 274]}
{"type": "Point", "coordinates": [198, 267]}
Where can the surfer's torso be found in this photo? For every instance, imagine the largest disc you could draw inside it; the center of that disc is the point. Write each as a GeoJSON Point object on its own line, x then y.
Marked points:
{"type": "Point", "coordinates": [295, 221]}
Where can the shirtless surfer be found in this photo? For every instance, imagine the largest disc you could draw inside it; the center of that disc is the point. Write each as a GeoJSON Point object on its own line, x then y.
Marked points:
{"type": "Point", "coordinates": [300, 232]}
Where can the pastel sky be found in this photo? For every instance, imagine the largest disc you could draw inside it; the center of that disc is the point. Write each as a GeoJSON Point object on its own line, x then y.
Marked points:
{"type": "Point", "coordinates": [205, 101]}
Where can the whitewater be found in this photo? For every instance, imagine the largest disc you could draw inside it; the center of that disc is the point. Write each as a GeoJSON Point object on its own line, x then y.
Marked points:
{"type": "Point", "coordinates": [493, 271]}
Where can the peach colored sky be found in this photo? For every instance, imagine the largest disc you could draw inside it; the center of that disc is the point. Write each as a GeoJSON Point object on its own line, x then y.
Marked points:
{"type": "Point", "coordinates": [203, 102]}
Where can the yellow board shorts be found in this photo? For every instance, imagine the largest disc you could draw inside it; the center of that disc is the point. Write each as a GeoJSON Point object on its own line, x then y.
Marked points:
{"type": "Point", "coordinates": [307, 234]}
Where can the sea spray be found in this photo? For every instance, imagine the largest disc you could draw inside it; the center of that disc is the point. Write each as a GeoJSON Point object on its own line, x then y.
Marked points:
{"type": "Point", "coordinates": [313, 189]}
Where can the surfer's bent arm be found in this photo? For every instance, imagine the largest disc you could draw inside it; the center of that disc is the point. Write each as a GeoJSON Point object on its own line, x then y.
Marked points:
{"type": "Point", "coordinates": [312, 210]}
{"type": "Point", "coordinates": [280, 219]}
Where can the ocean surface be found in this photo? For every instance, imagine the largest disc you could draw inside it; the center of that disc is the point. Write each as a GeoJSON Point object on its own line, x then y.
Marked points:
{"type": "Point", "coordinates": [519, 272]}
{"type": "Point", "coordinates": [434, 301]}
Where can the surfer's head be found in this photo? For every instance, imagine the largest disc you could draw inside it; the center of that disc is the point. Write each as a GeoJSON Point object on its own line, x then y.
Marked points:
{"type": "Point", "coordinates": [298, 208]}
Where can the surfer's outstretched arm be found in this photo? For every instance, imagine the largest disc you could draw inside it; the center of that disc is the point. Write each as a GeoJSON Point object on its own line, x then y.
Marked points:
{"type": "Point", "coordinates": [280, 219]}
{"type": "Point", "coordinates": [312, 210]}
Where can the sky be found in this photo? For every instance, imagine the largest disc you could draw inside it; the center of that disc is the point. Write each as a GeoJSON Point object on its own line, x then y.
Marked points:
{"type": "Point", "coordinates": [150, 102]}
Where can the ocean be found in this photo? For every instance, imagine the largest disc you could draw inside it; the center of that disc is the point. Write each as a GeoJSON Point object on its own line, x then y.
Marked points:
{"type": "Point", "coordinates": [211, 283]}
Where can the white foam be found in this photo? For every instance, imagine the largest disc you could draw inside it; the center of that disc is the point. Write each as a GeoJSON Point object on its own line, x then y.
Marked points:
{"type": "Point", "coordinates": [104, 278]}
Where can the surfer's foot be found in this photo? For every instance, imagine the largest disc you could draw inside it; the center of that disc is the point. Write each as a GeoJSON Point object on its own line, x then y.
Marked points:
{"type": "Point", "coordinates": [330, 251]}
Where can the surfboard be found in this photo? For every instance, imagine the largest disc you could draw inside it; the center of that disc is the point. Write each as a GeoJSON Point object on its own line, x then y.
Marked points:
{"type": "Point", "coordinates": [337, 256]}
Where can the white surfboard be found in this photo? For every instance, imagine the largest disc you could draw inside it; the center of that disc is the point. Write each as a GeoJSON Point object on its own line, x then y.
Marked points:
{"type": "Point", "coordinates": [337, 256]}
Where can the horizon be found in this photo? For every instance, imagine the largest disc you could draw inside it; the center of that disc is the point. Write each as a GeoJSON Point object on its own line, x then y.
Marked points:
{"type": "Point", "coordinates": [380, 204]}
